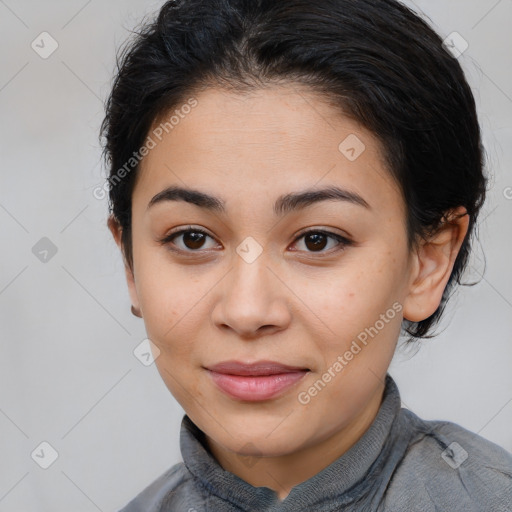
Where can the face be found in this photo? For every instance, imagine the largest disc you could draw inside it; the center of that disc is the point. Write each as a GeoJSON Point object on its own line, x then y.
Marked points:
{"type": "Point", "coordinates": [250, 276]}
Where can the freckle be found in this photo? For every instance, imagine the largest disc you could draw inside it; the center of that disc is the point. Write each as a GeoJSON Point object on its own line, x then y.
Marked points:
{"type": "Point", "coordinates": [350, 294]}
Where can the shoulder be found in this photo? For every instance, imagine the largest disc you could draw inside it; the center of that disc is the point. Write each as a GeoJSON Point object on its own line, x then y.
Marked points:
{"type": "Point", "coordinates": [151, 498]}
{"type": "Point", "coordinates": [451, 468]}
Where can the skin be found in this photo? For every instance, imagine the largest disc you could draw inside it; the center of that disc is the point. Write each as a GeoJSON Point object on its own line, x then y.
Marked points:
{"type": "Point", "coordinates": [291, 304]}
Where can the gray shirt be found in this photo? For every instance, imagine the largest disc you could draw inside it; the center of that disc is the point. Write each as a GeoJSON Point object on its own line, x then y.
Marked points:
{"type": "Point", "coordinates": [401, 464]}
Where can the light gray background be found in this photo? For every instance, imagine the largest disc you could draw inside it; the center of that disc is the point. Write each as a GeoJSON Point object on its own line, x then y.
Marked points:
{"type": "Point", "coordinates": [68, 375]}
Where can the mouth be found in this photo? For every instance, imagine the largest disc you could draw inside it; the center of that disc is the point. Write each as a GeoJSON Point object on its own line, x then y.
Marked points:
{"type": "Point", "coordinates": [257, 381]}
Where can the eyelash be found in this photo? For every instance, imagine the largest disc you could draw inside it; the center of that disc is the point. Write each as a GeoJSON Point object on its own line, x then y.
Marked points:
{"type": "Point", "coordinates": [343, 241]}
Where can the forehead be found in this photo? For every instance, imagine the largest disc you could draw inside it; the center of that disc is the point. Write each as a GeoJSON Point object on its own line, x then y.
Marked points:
{"type": "Point", "coordinates": [263, 144]}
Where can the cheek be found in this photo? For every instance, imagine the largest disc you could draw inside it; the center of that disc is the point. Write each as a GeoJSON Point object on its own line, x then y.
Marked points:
{"type": "Point", "coordinates": [173, 303]}
{"type": "Point", "coordinates": [354, 295]}
{"type": "Point", "coordinates": [176, 304]}
{"type": "Point", "coordinates": [361, 306]}
{"type": "Point", "coordinates": [167, 295]}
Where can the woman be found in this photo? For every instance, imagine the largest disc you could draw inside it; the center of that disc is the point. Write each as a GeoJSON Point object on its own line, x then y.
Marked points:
{"type": "Point", "coordinates": [293, 185]}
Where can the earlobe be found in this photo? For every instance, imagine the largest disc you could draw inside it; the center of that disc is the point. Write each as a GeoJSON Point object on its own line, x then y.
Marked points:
{"type": "Point", "coordinates": [136, 312]}
{"type": "Point", "coordinates": [116, 230]}
{"type": "Point", "coordinates": [433, 264]}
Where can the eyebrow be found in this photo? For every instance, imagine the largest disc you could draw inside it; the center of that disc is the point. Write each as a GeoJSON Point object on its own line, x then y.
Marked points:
{"type": "Point", "coordinates": [284, 204]}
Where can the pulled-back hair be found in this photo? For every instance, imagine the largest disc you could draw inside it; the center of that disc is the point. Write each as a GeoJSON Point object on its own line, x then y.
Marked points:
{"type": "Point", "coordinates": [374, 60]}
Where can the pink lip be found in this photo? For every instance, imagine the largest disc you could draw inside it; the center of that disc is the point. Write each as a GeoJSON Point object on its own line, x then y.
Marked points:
{"type": "Point", "coordinates": [257, 381]}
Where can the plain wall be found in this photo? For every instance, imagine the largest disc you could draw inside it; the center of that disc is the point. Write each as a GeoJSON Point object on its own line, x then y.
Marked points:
{"type": "Point", "coordinates": [68, 375]}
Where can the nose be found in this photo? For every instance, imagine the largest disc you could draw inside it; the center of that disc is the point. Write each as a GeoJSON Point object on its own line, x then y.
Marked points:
{"type": "Point", "coordinates": [252, 300]}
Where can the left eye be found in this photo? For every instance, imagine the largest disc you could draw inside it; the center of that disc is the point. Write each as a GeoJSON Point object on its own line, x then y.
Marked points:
{"type": "Point", "coordinates": [316, 241]}
{"type": "Point", "coordinates": [193, 239]}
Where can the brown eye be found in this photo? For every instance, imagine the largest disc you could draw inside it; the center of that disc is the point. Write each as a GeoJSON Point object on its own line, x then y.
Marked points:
{"type": "Point", "coordinates": [316, 241]}
{"type": "Point", "coordinates": [192, 240]}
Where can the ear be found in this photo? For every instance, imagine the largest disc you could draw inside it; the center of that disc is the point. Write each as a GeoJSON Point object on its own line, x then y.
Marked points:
{"type": "Point", "coordinates": [116, 230]}
{"type": "Point", "coordinates": [432, 266]}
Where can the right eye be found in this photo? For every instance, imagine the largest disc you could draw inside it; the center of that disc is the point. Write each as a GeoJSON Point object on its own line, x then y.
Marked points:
{"type": "Point", "coordinates": [192, 240]}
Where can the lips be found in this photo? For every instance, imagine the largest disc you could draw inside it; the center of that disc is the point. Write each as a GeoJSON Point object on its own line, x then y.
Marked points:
{"type": "Point", "coordinates": [255, 369]}
{"type": "Point", "coordinates": [257, 381]}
